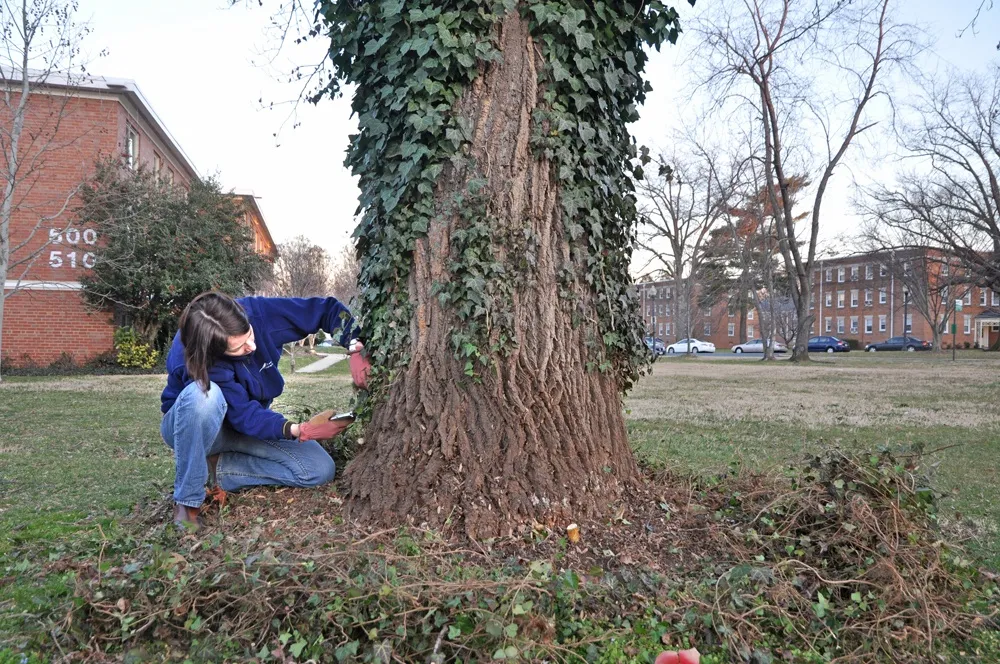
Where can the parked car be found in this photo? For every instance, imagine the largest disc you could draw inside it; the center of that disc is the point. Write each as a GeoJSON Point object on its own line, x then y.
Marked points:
{"type": "Point", "coordinates": [828, 345]}
{"type": "Point", "coordinates": [655, 345]}
{"type": "Point", "coordinates": [757, 346]}
{"type": "Point", "coordinates": [899, 343]}
{"type": "Point", "coordinates": [695, 345]}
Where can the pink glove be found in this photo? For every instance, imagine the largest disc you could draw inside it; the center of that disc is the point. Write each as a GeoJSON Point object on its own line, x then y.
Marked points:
{"type": "Point", "coordinates": [321, 427]}
{"type": "Point", "coordinates": [357, 360]}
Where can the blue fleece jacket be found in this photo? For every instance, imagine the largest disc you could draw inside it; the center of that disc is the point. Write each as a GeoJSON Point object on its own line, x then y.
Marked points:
{"type": "Point", "coordinates": [250, 383]}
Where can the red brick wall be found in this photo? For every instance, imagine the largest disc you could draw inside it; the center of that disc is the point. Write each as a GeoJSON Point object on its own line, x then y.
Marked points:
{"type": "Point", "coordinates": [39, 325]}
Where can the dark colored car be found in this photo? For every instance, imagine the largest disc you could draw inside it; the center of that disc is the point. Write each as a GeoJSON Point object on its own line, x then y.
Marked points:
{"type": "Point", "coordinates": [899, 343]}
{"type": "Point", "coordinates": [828, 345]}
{"type": "Point", "coordinates": [655, 345]}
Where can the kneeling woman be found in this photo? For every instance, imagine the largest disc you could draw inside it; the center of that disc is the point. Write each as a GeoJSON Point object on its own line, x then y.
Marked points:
{"type": "Point", "coordinates": [222, 376]}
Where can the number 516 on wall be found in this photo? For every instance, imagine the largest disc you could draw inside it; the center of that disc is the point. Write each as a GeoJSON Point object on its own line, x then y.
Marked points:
{"type": "Point", "coordinates": [72, 258]}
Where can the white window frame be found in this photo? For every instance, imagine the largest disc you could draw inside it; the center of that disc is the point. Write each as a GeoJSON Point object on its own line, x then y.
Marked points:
{"type": "Point", "coordinates": [829, 298]}
{"type": "Point", "coordinates": [968, 296]}
{"type": "Point", "coordinates": [707, 329]}
{"type": "Point", "coordinates": [828, 324]}
{"type": "Point", "coordinates": [841, 299]}
{"type": "Point", "coordinates": [841, 274]}
{"type": "Point", "coordinates": [868, 297]}
{"type": "Point", "coordinates": [750, 314]}
{"type": "Point", "coordinates": [750, 334]}
{"type": "Point", "coordinates": [908, 327]}
{"type": "Point", "coordinates": [869, 324]}
{"type": "Point", "coordinates": [829, 274]}
{"type": "Point", "coordinates": [882, 270]}
{"type": "Point", "coordinates": [131, 147]}
{"type": "Point", "coordinates": [882, 323]}
{"type": "Point", "coordinates": [883, 296]}
{"type": "Point", "coordinates": [854, 324]}
{"type": "Point", "coordinates": [840, 325]}
{"type": "Point", "coordinates": [869, 272]}
{"type": "Point", "coordinates": [854, 298]}
{"type": "Point", "coordinates": [854, 273]}
{"type": "Point", "coordinates": [967, 320]}
{"type": "Point", "coordinates": [982, 297]}
{"type": "Point", "coordinates": [995, 299]}
{"type": "Point", "coordinates": [732, 330]}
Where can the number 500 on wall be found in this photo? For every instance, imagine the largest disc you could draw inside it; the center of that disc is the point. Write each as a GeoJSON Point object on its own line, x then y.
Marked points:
{"type": "Point", "coordinates": [59, 258]}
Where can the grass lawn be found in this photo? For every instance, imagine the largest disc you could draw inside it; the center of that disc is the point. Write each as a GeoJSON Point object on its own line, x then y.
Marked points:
{"type": "Point", "coordinates": [77, 453]}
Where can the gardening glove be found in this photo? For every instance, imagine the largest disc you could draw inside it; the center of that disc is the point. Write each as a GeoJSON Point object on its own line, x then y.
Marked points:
{"type": "Point", "coordinates": [321, 427]}
{"type": "Point", "coordinates": [357, 360]}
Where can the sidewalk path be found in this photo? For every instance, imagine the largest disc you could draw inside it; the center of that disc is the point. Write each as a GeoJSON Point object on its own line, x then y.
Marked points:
{"type": "Point", "coordinates": [325, 363]}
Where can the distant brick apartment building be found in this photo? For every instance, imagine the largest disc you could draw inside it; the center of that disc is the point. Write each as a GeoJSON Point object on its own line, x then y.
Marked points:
{"type": "Point", "coordinates": [80, 122]}
{"type": "Point", "coordinates": [866, 297]}
{"type": "Point", "coordinates": [857, 297]}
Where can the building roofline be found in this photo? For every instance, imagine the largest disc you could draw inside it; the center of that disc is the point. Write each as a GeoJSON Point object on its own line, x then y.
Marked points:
{"type": "Point", "coordinates": [260, 215]}
{"type": "Point", "coordinates": [108, 85]}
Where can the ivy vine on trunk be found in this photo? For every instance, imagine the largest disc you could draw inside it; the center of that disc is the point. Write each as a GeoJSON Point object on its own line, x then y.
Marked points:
{"type": "Point", "coordinates": [497, 221]}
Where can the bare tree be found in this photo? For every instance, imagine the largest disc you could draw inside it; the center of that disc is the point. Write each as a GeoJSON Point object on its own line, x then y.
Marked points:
{"type": "Point", "coordinates": [302, 269]}
{"type": "Point", "coordinates": [950, 198]}
{"type": "Point", "coordinates": [344, 278]}
{"type": "Point", "coordinates": [41, 42]}
{"type": "Point", "coordinates": [681, 205]}
{"type": "Point", "coordinates": [805, 70]}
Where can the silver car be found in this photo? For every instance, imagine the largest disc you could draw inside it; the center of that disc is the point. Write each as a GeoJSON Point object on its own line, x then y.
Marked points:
{"type": "Point", "coordinates": [757, 346]}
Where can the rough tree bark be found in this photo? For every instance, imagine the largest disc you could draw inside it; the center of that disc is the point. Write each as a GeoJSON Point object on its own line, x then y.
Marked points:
{"type": "Point", "coordinates": [540, 437]}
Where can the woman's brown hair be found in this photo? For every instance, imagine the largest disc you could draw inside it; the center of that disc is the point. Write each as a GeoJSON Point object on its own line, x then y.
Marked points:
{"type": "Point", "coordinates": [206, 325]}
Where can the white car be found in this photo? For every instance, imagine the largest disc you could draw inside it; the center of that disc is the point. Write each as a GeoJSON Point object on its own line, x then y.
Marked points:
{"type": "Point", "coordinates": [757, 346]}
{"type": "Point", "coordinates": [695, 346]}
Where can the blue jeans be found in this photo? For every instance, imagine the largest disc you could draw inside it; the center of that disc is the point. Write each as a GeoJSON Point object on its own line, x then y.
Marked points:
{"type": "Point", "coordinates": [194, 428]}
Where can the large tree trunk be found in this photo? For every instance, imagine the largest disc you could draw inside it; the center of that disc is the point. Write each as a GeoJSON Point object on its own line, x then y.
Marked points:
{"type": "Point", "coordinates": [537, 436]}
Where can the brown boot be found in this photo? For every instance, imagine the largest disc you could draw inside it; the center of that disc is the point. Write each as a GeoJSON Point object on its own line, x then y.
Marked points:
{"type": "Point", "coordinates": [187, 517]}
{"type": "Point", "coordinates": [213, 462]}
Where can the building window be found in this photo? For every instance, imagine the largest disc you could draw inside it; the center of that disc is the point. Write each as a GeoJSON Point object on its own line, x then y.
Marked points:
{"type": "Point", "coordinates": [841, 273]}
{"type": "Point", "coordinates": [749, 331]}
{"type": "Point", "coordinates": [827, 324]}
{"type": "Point", "coordinates": [829, 299]}
{"type": "Point", "coordinates": [170, 177]}
{"type": "Point", "coordinates": [882, 296]}
{"type": "Point", "coordinates": [868, 297]}
{"type": "Point", "coordinates": [882, 270]}
{"type": "Point", "coordinates": [659, 309]}
{"type": "Point", "coordinates": [906, 268]}
{"type": "Point", "coordinates": [945, 269]}
{"type": "Point", "coordinates": [869, 324]}
{"type": "Point", "coordinates": [706, 311]}
{"type": "Point", "coordinates": [869, 273]}
{"type": "Point", "coordinates": [668, 329]}
{"type": "Point", "coordinates": [840, 299]}
{"type": "Point", "coordinates": [968, 296]}
{"type": "Point", "coordinates": [666, 309]}
{"type": "Point", "coordinates": [854, 298]}
{"type": "Point", "coordinates": [881, 323]}
{"type": "Point", "coordinates": [968, 324]}
{"type": "Point", "coordinates": [131, 147]}
{"type": "Point", "coordinates": [661, 329]}
{"type": "Point", "coordinates": [909, 324]}
{"type": "Point", "coordinates": [708, 329]}
{"type": "Point", "coordinates": [982, 297]}
{"type": "Point", "coordinates": [730, 312]}
{"type": "Point", "coordinates": [732, 330]}
{"type": "Point", "coordinates": [156, 166]}
{"type": "Point", "coordinates": [812, 300]}
{"type": "Point", "coordinates": [854, 324]}
{"type": "Point", "coordinates": [750, 315]}
{"type": "Point", "coordinates": [829, 275]}
{"type": "Point", "coordinates": [840, 324]}
{"type": "Point", "coordinates": [854, 273]}
{"type": "Point", "coordinates": [996, 299]}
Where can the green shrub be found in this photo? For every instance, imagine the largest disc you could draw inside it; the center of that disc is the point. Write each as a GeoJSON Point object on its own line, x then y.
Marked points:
{"type": "Point", "coordinates": [132, 351]}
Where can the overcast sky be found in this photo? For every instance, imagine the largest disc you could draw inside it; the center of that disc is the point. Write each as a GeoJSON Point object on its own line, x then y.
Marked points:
{"type": "Point", "coordinates": [196, 61]}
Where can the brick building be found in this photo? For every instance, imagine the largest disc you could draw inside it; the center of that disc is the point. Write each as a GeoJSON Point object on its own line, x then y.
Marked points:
{"type": "Point", "coordinates": [68, 128]}
{"type": "Point", "coordinates": [857, 297]}
{"type": "Point", "coordinates": [867, 296]}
